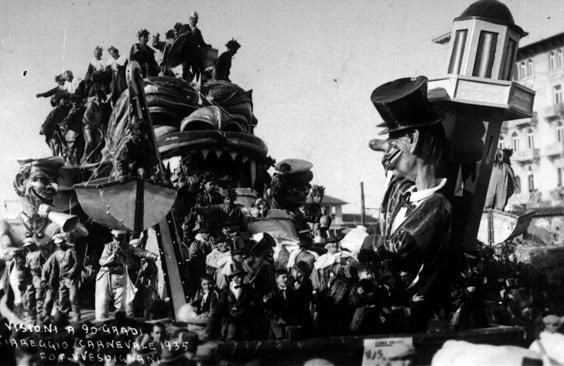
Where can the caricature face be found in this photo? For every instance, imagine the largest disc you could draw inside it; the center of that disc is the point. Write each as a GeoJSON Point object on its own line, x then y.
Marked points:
{"type": "Point", "coordinates": [39, 187]}
{"type": "Point", "coordinates": [399, 156]}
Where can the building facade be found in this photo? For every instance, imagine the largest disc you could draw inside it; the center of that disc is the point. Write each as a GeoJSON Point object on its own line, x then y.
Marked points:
{"type": "Point", "coordinates": [538, 142]}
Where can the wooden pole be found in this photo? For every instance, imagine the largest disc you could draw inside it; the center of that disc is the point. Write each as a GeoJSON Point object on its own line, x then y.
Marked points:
{"type": "Point", "coordinates": [362, 207]}
{"type": "Point", "coordinates": [168, 238]}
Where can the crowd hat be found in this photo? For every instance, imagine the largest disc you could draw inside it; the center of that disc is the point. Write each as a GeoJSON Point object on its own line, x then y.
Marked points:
{"type": "Point", "coordinates": [263, 242]}
{"type": "Point", "coordinates": [552, 319]}
{"type": "Point", "coordinates": [403, 105]}
{"type": "Point", "coordinates": [304, 268]}
{"type": "Point", "coordinates": [305, 238]}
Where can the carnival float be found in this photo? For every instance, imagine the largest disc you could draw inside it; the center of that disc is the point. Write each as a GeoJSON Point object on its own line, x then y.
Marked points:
{"type": "Point", "coordinates": [209, 128]}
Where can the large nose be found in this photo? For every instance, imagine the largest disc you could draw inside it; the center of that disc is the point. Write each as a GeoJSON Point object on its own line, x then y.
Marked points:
{"type": "Point", "coordinates": [379, 145]}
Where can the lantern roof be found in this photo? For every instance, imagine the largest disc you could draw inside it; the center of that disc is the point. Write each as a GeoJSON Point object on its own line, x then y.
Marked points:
{"type": "Point", "coordinates": [492, 11]}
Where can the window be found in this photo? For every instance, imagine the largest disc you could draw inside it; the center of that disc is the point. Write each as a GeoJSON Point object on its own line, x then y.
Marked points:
{"type": "Point", "coordinates": [559, 58]}
{"type": "Point", "coordinates": [522, 69]}
{"type": "Point", "coordinates": [559, 132]}
{"type": "Point", "coordinates": [530, 139]}
{"type": "Point", "coordinates": [501, 143]}
{"type": "Point", "coordinates": [517, 184]}
{"type": "Point", "coordinates": [551, 60]}
{"type": "Point", "coordinates": [530, 67]}
{"type": "Point", "coordinates": [557, 92]}
{"type": "Point", "coordinates": [515, 141]}
{"type": "Point", "coordinates": [531, 182]}
{"type": "Point", "coordinates": [559, 176]}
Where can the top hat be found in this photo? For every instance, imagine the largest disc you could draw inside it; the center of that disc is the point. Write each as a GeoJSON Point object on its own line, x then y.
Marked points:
{"type": "Point", "coordinates": [403, 105]}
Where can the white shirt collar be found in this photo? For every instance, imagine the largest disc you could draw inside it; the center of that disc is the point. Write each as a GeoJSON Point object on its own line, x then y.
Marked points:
{"type": "Point", "coordinates": [417, 196]}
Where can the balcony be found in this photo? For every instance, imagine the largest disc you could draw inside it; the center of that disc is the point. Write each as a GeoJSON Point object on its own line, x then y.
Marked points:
{"type": "Point", "coordinates": [525, 122]}
{"type": "Point", "coordinates": [554, 111]}
{"type": "Point", "coordinates": [554, 150]}
{"type": "Point", "coordinates": [526, 156]}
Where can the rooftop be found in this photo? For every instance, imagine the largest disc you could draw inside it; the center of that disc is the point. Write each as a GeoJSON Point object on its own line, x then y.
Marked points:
{"type": "Point", "coordinates": [332, 200]}
{"type": "Point", "coordinates": [541, 46]}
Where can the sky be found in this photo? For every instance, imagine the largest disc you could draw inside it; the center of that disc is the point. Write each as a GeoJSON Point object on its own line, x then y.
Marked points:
{"type": "Point", "coordinates": [312, 66]}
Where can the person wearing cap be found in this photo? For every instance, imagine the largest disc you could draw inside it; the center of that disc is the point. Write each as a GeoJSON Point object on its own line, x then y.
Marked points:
{"type": "Point", "coordinates": [35, 258]}
{"type": "Point", "coordinates": [201, 246]}
{"type": "Point", "coordinates": [14, 281]}
{"type": "Point", "coordinates": [416, 229]}
{"type": "Point", "coordinates": [136, 155]}
{"type": "Point", "coordinates": [232, 215]}
{"type": "Point", "coordinates": [223, 68]}
{"type": "Point", "coordinates": [551, 323]}
{"type": "Point", "coordinates": [279, 304]}
{"type": "Point", "coordinates": [112, 278]}
{"type": "Point", "coordinates": [146, 284]}
{"type": "Point", "coordinates": [208, 195]}
{"type": "Point", "coordinates": [69, 271]}
{"type": "Point", "coordinates": [144, 55]}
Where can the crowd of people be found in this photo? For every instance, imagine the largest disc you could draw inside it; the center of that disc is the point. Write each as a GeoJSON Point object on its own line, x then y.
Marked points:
{"type": "Point", "coordinates": [76, 127]}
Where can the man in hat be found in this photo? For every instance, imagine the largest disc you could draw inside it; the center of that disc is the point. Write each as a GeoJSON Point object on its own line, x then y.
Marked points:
{"type": "Point", "coordinates": [35, 258]}
{"type": "Point", "coordinates": [137, 155]}
{"type": "Point", "coordinates": [261, 264]}
{"type": "Point", "coordinates": [279, 304]}
{"type": "Point", "coordinates": [223, 68]}
{"type": "Point", "coordinates": [304, 253]}
{"type": "Point", "coordinates": [415, 221]}
{"type": "Point", "coordinates": [145, 55]}
{"type": "Point", "coordinates": [69, 271]}
{"type": "Point", "coordinates": [234, 318]}
{"type": "Point", "coordinates": [116, 66]}
{"type": "Point", "coordinates": [112, 278]}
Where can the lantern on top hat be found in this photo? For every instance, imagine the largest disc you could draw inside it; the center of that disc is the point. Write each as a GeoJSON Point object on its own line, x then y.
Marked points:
{"type": "Point", "coordinates": [484, 41]}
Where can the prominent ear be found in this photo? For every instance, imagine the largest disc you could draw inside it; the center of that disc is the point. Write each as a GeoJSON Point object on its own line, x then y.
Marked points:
{"type": "Point", "coordinates": [19, 184]}
{"type": "Point", "coordinates": [414, 139]}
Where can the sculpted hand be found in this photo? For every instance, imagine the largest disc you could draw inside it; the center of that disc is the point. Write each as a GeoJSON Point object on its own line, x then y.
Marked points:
{"type": "Point", "coordinates": [44, 210]}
